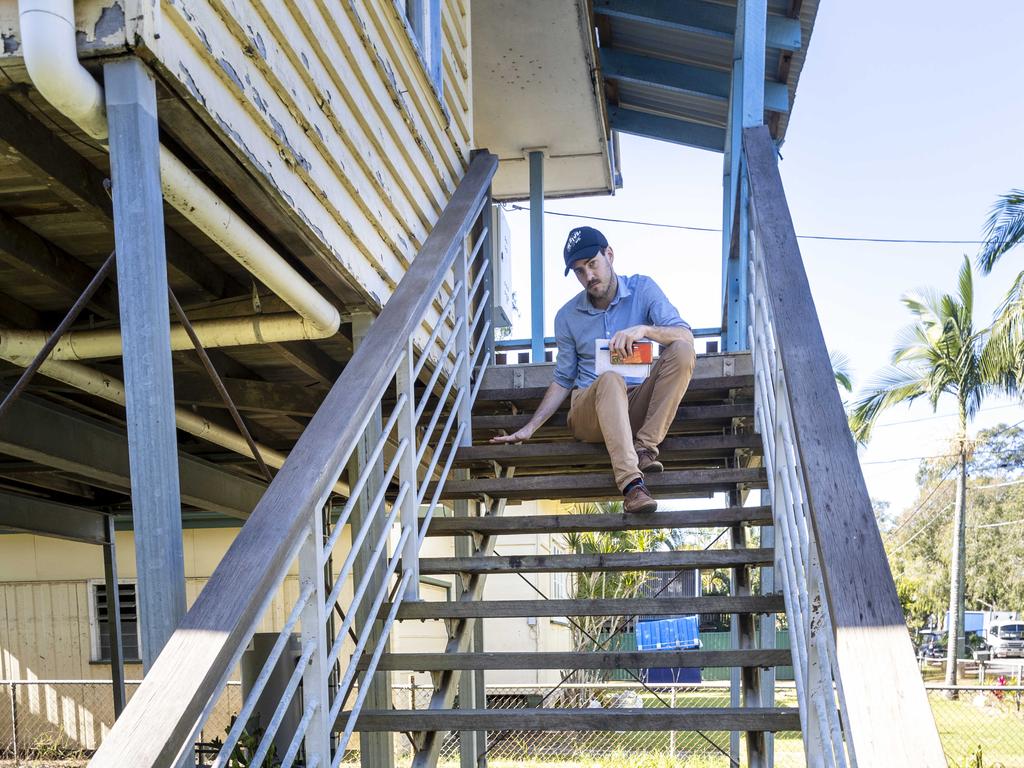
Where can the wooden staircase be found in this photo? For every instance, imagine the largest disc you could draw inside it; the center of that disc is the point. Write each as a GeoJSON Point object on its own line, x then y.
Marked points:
{"type": "Point", "coordinates": [711, 449]}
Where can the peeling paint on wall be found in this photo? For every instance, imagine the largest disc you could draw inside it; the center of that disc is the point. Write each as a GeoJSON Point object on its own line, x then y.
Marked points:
{"type": "Point", "coordinates": [11, 43]}
{"type": "Point", "coordinates": [110, 22]}
{"type": "Point", "coordinates": [190, 83]}
{"type": "Point", "coordinates": [231, 73]}
{"type": "Point", "coordinates": [105, 26]}
{"type": "Point", "coordinates": [279, 131]}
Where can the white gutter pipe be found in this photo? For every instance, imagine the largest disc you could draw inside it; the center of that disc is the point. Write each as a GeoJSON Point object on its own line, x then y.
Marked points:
{"type": "Point", "coordinates": [221, 332]}
{"type": "Point", "coordinates": [107, 387]}
{"type": "Point", "coordinates": [50, 53]}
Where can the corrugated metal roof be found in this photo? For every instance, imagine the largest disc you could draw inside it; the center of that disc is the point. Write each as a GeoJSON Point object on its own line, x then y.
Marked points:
{"type": "Point", "coordinates": [707, 50]}
{"type": "Point", "coordinates": [672, 44]}
{"type": "Point", "coordinates": [661, 101]}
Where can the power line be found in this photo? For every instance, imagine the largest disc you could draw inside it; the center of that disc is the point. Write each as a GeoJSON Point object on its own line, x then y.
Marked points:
{"type": "Point", "coordinates": [666, 225]}
{"type": "Point", "coordinates": [922, 529]}
{"type": "Point", "coordinates": [941, 416]}
{"type": "Point", "coordinates": [1000, 524]}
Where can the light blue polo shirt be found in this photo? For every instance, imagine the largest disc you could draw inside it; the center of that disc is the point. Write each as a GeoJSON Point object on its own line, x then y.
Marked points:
{"type": "Point", "coordinates": [638, 301]}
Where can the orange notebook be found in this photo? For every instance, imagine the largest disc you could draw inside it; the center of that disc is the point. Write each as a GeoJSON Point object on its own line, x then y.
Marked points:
{"type": "Point", "coordinates": [636, 365]}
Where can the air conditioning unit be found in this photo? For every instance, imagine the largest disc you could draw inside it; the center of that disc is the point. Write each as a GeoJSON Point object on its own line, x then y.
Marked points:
{"type": "Point", "coordinates": [501, 290]}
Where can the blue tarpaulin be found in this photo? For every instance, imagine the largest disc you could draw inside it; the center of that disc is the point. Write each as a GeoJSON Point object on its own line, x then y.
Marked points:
{"type": "Point", "coordinates": [669, 635]}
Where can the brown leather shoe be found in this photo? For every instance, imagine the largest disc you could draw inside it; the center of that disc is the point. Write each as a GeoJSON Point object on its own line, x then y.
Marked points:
{"type": "Point", "coordinates": [638, 501]}
{"type": "Point", "coordinates": [647, 462]}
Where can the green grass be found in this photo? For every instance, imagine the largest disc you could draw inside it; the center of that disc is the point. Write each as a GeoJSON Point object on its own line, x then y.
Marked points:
{"type": "Point", "coordinates": [997, 728]}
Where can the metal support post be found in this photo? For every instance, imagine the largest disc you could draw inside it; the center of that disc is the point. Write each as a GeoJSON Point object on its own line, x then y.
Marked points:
{"type": "Point", "coordinates": [536, 158]}
{"type": "Point", "coordinates": [407, 469]}
{"type": "Point", "coordinates": [314, 629]}
{"type": "Point", "coordinates": [113, 615]}
{"type": "Point", "coordinates": [145, 330]}
{"type": "Point", "coordinates": [768, 635]}
{"type": "Point", "coordinates": [746, 109]}
{"type": "Point", "coordinates": [14, 722]}
{"type": "Point", "coordinates": [470, 744]}
{"type": "Point", "coordinates": [376, 750]}
{"type": "Point", "coordinates": [745, 682]}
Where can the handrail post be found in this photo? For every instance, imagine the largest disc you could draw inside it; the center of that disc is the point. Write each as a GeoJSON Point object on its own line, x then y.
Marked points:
{"type": "Point", "coordinates": [314, 627]}
{"type": "Point", "coordinates": [408, 467]}
{"type": "Point", "coordinates": [490, 251]}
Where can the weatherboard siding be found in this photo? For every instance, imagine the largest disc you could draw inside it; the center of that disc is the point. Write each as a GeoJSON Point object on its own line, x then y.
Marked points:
{"type": "Point", "coordinates": [330, 104]}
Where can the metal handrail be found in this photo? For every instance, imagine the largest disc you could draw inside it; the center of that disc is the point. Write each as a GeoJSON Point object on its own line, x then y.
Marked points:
{"type": "Point", "coordinates": [848, 629]}
{"type": "Point", "coordinates": [286, 528]}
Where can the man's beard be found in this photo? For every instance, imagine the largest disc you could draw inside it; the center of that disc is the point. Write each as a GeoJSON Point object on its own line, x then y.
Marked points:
{"type": "Point", "coordinates": [596, 292]}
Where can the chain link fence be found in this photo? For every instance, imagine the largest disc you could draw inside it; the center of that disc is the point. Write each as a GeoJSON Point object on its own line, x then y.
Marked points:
{"type": "Point", "coordinates": [63, 721]}
{"type": "Point", "coordinates": [599, 749]}
{"type": "Point", "coordinates": [60, 722]}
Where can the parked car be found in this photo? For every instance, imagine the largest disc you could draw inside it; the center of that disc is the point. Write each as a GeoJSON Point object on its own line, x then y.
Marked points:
{"type": "Point", "coordinates": [931, 644]}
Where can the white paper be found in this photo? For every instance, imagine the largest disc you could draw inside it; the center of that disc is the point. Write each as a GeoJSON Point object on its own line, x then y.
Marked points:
{"type": "Point", "coordinates": [603, 362]}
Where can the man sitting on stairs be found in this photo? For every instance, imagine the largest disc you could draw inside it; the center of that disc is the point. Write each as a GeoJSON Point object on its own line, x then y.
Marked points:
{"type": "Point", "coordinates": [632, 416]}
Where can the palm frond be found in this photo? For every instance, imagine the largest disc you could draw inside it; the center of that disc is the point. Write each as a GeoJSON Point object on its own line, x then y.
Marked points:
{"type": "Point", "coordinates": [841, 370]}
{"type": "Point", "coordinates": [1003, 230]}
{"type": "Point", "coordinates": [893, 385]}
{"type": "Point", "coordinates": [965, 287]}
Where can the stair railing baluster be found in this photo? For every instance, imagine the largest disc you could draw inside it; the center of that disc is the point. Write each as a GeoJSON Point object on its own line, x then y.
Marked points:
{"type": "Point", "coordinates": [314, 620]}
{"type": "Point", "coordinates": [462, 312]}
{"type": "Point", "coordinates": [405, 385]}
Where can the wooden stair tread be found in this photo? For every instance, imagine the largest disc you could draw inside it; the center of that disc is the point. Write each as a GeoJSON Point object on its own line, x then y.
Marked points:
{"type": "Point", "coordinates": [688, 416]}
{"type": "Point", "coordinates": [574, 452]}
{"type": "Point", "coordinates": [578, 523]}
{"type": "Point", "coordinates": [659, 606]}
{"type": "Point", "coordinates": [611, 561]}
{"type": "Point", "coordinates": [698, 387]}
{"type": "Point", "coordinates": [438, 662]}
{"type": "Point", "coordinates": [601, 484]}
{"type": "Point", "coordinates": [556, 719]}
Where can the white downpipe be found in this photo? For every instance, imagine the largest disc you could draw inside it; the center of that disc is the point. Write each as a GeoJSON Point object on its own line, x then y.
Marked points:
{"type": "Point", "coordinates": [51, 59]}
{"type": "Point", "coordinates": [109, 388]}
{"type": "Point", "coordinates": [221, 332]}
{"type": "Point", "coordinates": [197, 203]}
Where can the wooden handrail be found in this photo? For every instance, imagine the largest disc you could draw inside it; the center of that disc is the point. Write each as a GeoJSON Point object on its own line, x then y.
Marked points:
{"type": "Point", "coordinates": [159, 720]}
{"type": "Point", "coordinates": [888, 718]}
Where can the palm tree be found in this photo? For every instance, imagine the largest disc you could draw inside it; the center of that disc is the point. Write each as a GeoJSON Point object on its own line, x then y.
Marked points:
{"type": "Point", "coordinates": [941, 353]}
{"type": "Point", "coordinates": [1004, 230]}
{"type": "Point", "coordinates": [841, 370]}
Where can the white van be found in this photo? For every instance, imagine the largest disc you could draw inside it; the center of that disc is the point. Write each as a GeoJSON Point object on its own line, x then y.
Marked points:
{"type": "Point", "coordinates": [1005, 639]}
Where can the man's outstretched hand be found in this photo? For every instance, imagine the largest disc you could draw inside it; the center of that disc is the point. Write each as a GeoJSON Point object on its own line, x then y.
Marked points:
{"type": "Point", "coordinates": [622, 342]}
{"type": "Point", "coordinates": [516, 437]}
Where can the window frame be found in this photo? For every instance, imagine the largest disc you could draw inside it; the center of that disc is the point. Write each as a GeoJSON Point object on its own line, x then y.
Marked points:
{"type": "Point", "coordinates": [423, 23]}
{"type": "Point", "coordinates": [94, 621]}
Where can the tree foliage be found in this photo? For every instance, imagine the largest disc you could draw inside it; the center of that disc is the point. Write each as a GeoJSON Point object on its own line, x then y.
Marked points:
{"type": "Point", "coordinates": [918, 545]}
{"type": "Point", "coordinates": [940, 353]}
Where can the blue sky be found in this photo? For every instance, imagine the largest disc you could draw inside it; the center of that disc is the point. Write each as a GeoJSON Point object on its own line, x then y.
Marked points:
{"type": "Point", "coordinates": [908, 123]}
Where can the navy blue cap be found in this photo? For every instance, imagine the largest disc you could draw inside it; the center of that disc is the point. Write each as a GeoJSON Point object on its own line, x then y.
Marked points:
{"type": "Point", "coordinates": [582, 243]}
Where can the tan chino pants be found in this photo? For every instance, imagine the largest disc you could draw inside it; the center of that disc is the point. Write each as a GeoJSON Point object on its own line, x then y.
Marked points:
{"type": "Point", "coordinates": [637, 417]}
